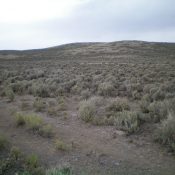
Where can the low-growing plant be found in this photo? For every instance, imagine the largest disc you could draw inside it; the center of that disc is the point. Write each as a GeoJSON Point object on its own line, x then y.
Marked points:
{"type": "Point", "coordinates": [3, 142]}
{"type": "Point", "coordinates": [165, 134]}
{"type": "Point", "coordinates": [60, 145]}
{"type": "Point", "coordinates": [106, 89]}
{"type": "Point", "coordinates": [87, 110]}
{"type": "Point", "coordinates": [158, 110]}
{"type": "Point", "coordinates": [118, 105]}
{"type": "Point", "coordinates": [10, 94]}
{"type": "Point", "coordinates": [127, 120]}
{"type": "Point", "coordinates": [15, 153]}
{"type": "Point", "coordinates": [46, 131]}
{"type": "Point", "coordinates": [20, 119]}
{"type": "Point", "coordinates": [39, 105]}
{"type": "Point", "coordinates": [32, 161]}
{"type": "Point", "coordinates": [33, 121]}
{"type": "Point", "coordinates": [55, 171]}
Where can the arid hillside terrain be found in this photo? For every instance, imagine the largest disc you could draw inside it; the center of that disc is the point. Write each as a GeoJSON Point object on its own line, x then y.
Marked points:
{"type": "Point", "coordinates": [88, 109]}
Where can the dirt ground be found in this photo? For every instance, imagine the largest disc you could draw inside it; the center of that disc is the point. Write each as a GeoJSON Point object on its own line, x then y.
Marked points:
{"type": "Point", "coordinates": [94, 149]}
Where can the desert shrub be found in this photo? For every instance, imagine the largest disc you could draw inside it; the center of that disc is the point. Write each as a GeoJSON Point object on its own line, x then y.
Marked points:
{"type": "Point", "coordinates": [32, 161]}
{"type": "Point", "coordinates": [158, 111]}
{"type": "Point", "coordinates": [3, 142]}
{"type": "Point", "coordinates": [144, 105]}
{"type": "Point", "coordinates": [165, 134]}
{"type": "Point", "coordinates": [20, 119]}
{"type": "Point", "coordinates": [46, 131]}
{"type": "Point", "coordinates": [10, 94]}
{"type": "Point", "coordinates": [118, 105]}
{"type": "Point", "coordinates": [87, 111]}
{"type": "Point", "coordinates": [106, 89]}
{"type": "Point", "coordinates": [40, 90]}
{"type": "Point", "coordinates": [39, 105]}
{"type": "Point", "coordinates": [88, 108]}
{"type": "Point", "coordinates": [158, 95]}
{"type": "Point", "coordinates": [60, 145]}
{"type": "Point", "coordinates": [55, 171]}
{"type": "Point", "coordinates": [33, 121]}
{"type": "Point", "coordinates": [15, 153]}
{"type": "Point", "coordinates": [127, 120]}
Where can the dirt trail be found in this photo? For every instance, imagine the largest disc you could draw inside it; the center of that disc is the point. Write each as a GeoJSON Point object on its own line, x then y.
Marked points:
{"type": "Point", "coordinates": [98, 150]}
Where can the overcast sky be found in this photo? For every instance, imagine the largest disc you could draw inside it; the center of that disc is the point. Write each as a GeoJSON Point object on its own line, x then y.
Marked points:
{"type": "Point", "coordinates": [28, 24]}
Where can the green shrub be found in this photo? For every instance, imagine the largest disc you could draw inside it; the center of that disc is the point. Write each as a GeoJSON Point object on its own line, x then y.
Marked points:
{"type": "Point", "coordinates": [46, 131]}
{"type": "Point", "coordinates": [10, 94]}
{"type": "Point", "coordinates": [165, 134]}
{"type": "Point", "coordinates": [3, 142]}
{"type": "Point", "coordinates": [127, 120]}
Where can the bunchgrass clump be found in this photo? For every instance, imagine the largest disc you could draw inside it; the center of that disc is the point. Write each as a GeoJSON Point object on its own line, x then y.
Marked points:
{"type": "Point", "coordinates": [3, 142]}
{"type": "Point", "coordinates": [39, 105]}
{"type": "Point", "coordinates": [10, 94]}
{"type": "Point", "coordinates": [56, 171]}
{"type": "Point", "coordinates": [127, 120]}
{"type": "Point", "coordinates": [87, 110]}
{"type": "Point", "coordinates": [32, 121]}
{"type": "Point", "coordinates": [60, 145]}
{"type": "Point", "coordinates": [46, 131]}
{"type": "Point", "coordinates": [165, 134]}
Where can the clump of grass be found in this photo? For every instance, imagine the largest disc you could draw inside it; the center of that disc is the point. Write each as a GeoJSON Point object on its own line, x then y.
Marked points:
{"type": "Point", "coordinates": [32, 161]}
{"type": "Point", "coordinates": [10, 94]}
{"type": "Point", "coordinates": [55, 171]}
{"type": "Point", "coordinates": [158, 111]}
{"type": "Point", "coordinates": [15, 153]}
{"type": "Point", "coordinates": [60, 145]}
{"type": "Point", "coordinates": [32, 121]}
{"type": "Point", "coordinates": [46, 131]}
{"type": "Point", "coordinates": [20, 119]}
{"type": "Point", "coordinates": [39, 105]}
{"type": "Point", "coordinates": [165, 134]}
{"type": "Point", "coordinates": [3, 142]}
{"type": "Point", "coordinates": [106, 89]}
{"type": "Point", "coordinates": [127, 120]}
{"type": "Point", "coordinates": [87, 110]}
{"type": "Point", "coordinates": [118, 105]}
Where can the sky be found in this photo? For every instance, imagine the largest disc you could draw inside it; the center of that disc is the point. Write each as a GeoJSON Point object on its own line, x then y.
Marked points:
{"type": "Point", "coordinates": [31, 24]}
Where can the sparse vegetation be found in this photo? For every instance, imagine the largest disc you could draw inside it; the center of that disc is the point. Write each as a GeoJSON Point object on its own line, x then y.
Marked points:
{"type": "Point", "coordinates": [119, 86]}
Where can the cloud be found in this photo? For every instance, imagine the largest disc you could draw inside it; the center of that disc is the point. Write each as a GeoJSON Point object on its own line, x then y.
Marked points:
{"type": "Point", "coordinates": [92, 20]}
